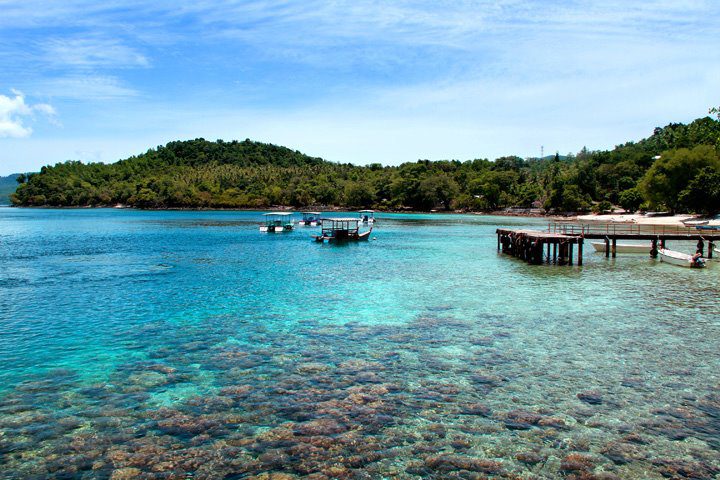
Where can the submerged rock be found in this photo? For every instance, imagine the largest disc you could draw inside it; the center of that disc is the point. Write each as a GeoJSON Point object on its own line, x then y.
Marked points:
{"type": "Point", "coordinates": [592, 397]}
{"type": "Point", "coordinates": [521, 420]}
{"type": "Point", "coordinates": [449, 463]}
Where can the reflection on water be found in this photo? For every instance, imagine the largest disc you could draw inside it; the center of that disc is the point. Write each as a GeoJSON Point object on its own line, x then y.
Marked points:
{"type": "Point", "coordinates": [161, 350]}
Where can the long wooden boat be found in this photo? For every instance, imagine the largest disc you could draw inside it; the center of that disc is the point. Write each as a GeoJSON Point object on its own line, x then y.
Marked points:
{"type": "Point", "coordinates": [623, 247]}
{"type": "Point", "coordinates": [336, 230]}
{"type": "Point", "coordinates": [680, 259]}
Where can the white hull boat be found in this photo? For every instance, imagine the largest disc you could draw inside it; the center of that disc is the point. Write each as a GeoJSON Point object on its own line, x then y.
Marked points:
{"type": "Point", "coordinates": [623, 247]}
{"type": "Point", "coordinates": [680, 259]}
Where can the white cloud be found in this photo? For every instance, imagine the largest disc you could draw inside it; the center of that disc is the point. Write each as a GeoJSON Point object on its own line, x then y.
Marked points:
{"type": "Point", "coordinates": [14, 111]}
{"type": "Point", "coordinates": [86, 87]}
{"type": "Point", "coordinates": [92, 52]}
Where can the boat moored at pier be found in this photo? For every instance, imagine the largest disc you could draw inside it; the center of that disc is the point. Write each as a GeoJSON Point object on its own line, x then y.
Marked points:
{"type": "Point", "coordinates": [681, 259]}
{"type": "Point", "coordinates": [624, 247]}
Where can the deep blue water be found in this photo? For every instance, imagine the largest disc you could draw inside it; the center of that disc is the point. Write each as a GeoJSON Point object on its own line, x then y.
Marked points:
{"type": "Point", "coordinates": [165, 344]}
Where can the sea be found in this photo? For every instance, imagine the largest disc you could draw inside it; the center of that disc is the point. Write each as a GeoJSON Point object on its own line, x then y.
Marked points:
{"type": "Point", "coordinates": [187, 344]}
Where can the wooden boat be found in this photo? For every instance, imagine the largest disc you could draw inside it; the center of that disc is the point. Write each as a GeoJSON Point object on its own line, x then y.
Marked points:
{"type": "Point", "coordinates": [335, 230]}
{"type": "Point", "coordinates": [367, 216]}
{"type": "Point", "coordinates": [680, 259]}
{"type": "Point", "coordinates": [623, 247]}
{"type": "Point", "coordinates": [277, 222]}
{"type": "Point", "coordinates": [310, 219]}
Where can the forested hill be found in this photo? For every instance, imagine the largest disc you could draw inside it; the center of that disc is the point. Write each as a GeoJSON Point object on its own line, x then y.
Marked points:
{"type": "Point", "coordinates": [677, 168]}
{"type": "Point", "coordinates": [7, 186]}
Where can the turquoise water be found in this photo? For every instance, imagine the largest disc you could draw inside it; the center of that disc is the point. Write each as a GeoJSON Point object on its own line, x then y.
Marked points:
{"type": "Point", "coordinates": [173, 344]}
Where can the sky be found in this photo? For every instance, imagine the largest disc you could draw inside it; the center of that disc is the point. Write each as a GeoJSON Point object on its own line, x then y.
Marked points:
{"type": "Point", "coordinates": [357, 81]}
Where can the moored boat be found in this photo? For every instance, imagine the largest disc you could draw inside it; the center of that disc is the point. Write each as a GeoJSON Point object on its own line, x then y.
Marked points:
{"type": "Point", "coordinates": [277, 222]}
{"type": "Point", "coordinates": [336, 230]}
{"type": "Point", "coordinates": [681, 259]}
{"type": "Point", "coordinates": [695, 223]}
{"type": "Point", "coordinates": [623, 247]}
{"type": "Point", "coordinates": [367, 216]}
{"type": "Point", "coordinates": [310, 219]}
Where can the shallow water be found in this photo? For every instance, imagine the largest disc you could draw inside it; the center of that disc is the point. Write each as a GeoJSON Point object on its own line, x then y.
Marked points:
{"type": "Point", "coordinates": [163, 344]}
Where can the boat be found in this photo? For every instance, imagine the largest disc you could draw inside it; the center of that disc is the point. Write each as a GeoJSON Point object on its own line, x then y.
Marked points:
{"type": "Point", "coordinates": [681, 259]}
{"type": "Point", "coordinates": [623, 247]}
{"type": "Point", "coordinates": [310, 219]}
{"type": "Point", "coordinates": [695, 223]}
{"type": "Point", "coordinates": [367, 216]}
{"type": "Point", "coordinates": [335, 230]}
{"type": "Point", "coordinates": [277, 222]}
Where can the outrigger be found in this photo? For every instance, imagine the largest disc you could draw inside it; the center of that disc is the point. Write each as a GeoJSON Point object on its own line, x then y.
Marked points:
{"type": "Point", "coordinates": [276, 222]}
{"type": "Point", "coordinates": [367, 216]}
{"type": "Point", "coordinates": [341, 230]}
{"type": "Point", "coordinates": [310, 219]}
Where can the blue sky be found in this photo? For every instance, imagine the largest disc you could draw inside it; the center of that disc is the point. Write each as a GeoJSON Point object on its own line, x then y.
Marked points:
{"type": "Point", "coordinates": [351, 81]}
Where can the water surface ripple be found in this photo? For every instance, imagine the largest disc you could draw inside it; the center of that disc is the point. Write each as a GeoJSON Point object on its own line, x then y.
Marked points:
{"type": "Point", "coordinates": [175, 344]}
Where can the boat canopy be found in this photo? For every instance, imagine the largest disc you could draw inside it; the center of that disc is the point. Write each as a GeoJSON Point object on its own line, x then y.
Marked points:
{"type": "Point", "coordinates": [341, 220]}
{"type": "Point", "coordinates": [284, 214]}
{"type": "Point", "coordinates": [311, 213]}
{"type": "Point", "coordinates": [366, 211]}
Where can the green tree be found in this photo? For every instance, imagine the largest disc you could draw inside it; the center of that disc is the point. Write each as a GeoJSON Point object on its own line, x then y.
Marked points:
{"type": "Point", "coordinates": [671, 173]}
{"type": "Point", "coordinates": [359, 194]}
{"type": "Point", "coordinates": [631, 199]}
{"type": "Point", "coordinates": [702, 194]}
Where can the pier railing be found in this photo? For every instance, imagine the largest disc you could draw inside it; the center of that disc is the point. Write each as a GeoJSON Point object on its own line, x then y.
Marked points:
{"type": "Point", "coordinates": [611, 229]}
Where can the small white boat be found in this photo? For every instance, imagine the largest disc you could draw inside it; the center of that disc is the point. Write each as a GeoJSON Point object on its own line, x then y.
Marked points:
{"type": "Point", "coordinates": [277, 222]}
{"type": "Point", "coordinates": [310, 219]}
{"type": "Point", "coordinates": [367, 216]}
{"type": "Point", "coordinates": [623, 247]}
{"type": "Point", "coordinates": [695, 223]}
{"type": "Point", "coordinates": [681, 259]}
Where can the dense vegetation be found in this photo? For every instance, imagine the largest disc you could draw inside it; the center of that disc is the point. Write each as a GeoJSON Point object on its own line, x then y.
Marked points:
{"type": "Point", "coordinates": [7, 186]}
{"type": "Point", "coordinates": [676, 168]}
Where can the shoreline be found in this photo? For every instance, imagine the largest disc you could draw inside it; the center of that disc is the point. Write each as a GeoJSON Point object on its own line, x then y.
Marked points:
{"type": "Point", "coordinates": [613, 219]}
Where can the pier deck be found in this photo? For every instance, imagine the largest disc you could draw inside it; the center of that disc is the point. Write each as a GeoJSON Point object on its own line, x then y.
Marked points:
{"type": "Point", "coordinates": [534, 246]}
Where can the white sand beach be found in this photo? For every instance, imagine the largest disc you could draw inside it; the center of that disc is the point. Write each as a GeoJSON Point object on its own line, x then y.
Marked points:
{"type": "Point", "coordinates": [642, 219]}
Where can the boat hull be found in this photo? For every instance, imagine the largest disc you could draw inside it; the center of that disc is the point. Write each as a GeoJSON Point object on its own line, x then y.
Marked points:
{"type": "Point", "coordinates": [623, 247]}
{"type": "Point", "coordinates": [680, 259]}
{"type": "Point", "coordinates": [361, 237]}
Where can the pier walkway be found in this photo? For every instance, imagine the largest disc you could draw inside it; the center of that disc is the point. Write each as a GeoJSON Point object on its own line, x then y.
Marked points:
{"type": "Point", "coordinates": [556, 244]}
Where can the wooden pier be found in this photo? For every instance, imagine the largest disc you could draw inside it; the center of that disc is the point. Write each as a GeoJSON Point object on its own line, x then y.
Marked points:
{"type": "Point", "coordinates": [535, 246]}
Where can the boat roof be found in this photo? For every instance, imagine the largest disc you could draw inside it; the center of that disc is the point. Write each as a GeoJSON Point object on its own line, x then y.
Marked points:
{"type": "Point", "coordinates": [342, 219]}
{"type": "Point", "coordinates": [277, 213]}
{"type": "Point", "coordinates": [366, 211]}
{"type": "Point", "coordinates": [312, 213]}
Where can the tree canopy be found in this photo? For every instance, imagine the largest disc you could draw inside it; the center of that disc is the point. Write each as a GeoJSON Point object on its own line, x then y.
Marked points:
{"type": "Point", "coordinates": [672, 168]}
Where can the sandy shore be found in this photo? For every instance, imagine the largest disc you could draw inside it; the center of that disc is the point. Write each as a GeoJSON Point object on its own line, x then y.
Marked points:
{"type": "Point", "coordinates": [640, 219]}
